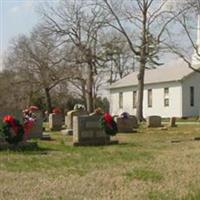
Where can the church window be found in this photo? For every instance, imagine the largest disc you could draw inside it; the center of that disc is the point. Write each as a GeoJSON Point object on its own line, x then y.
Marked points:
{"type": "Point", "coordinates": [192, 96]}
{"type": "Point", "coordinates": [121, 100]}
{"type": "Point", "coordinates": [149, 98]}
{"type": "Point", "coordinates": [166, 97]}
{"type": "Point", "coordinates": [134, 99]}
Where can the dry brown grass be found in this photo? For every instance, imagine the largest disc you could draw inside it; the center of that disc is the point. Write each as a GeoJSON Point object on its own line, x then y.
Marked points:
{"type": "Point", "coordinates": [145, 165]}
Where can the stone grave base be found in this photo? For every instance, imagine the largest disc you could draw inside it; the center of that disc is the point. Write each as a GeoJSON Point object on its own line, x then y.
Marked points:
{"type": "Point", "coordinates": [67, 132]}
{"type": "Point", "coordinates": [22, 145]}
{"type": "Point", "coordinates": [46, 136]}
{"type": "Point", "coordinates": [95, 142]}
{"type": "Point", "coordinates": [35, 134]}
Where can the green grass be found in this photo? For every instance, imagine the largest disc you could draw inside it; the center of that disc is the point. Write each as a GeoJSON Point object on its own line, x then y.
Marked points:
{"type": "Point", "coordinates": [194, 196]}
{"type": "Point", "coordinates": [188, 119]}
{"type": "Point", "coordinates": [157, 195]}
{"type": "Point", "coordinates": [144, 175]}
{"type": "Point", "coordinates": [144, 165]}
{"type": "Point", "coordinates": [51, 156]}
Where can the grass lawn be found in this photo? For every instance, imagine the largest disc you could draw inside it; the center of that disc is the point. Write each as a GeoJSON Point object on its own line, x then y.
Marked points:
{"type": "Point", "coordinates": [145, 165]}
{"type": "Point", "coordinates": [184, 120]}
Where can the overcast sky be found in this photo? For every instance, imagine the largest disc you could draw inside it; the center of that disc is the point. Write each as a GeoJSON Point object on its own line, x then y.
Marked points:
{"type": "Point", "coordinates": [20, 16]}
{"type": "Point", "coordinates": [17, 17]}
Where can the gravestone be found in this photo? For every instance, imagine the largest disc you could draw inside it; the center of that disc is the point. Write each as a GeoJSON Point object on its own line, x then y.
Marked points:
{"type": "Point", "coordinates": [69, 120]}
{"type": "Point", "coordinates": [37, 129]}
{"type": "Point", "coordinates": [126, 125]}
{"type": "Point", "coordinates": [55, 122]}
{"type": "Point", "coordinates": [66, 120]}
{"type": "Point", "coordinates": [154, 121]}
{"type": "Point", "coordinates": [172, 122]}
{"type": "Point", "coordinates": [71, 114]}
{"type": "Point", "coordinates": [87, 131]}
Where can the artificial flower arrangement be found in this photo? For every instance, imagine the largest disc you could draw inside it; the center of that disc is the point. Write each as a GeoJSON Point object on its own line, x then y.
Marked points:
{"type": "Point", "coordinates": [125, 115]}
{"type": "Point", "coordinates": [108, 124]}
{"type": "Point", "coordinates": [13, 131]}
{"type": "Point", "coordinates": [56, 111]}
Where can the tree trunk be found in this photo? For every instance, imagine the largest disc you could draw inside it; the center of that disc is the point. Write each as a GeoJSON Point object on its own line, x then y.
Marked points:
{"type": "Point", "coordinates": [143, 60]}
{"type": "Point", "coordinates": [140, 92]}
{"type": "Point", "coordinates": [48, 99]}
{"type": "Point", "coordinates": [89, 84]}
{"type": "Point", "coordinates": [84, 96]}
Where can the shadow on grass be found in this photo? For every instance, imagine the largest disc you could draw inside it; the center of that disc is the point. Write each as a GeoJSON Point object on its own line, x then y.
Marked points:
{"type": "Point", "coordinates": [129, 144]}
{"type": "Point", "coordinates": [30, 147]}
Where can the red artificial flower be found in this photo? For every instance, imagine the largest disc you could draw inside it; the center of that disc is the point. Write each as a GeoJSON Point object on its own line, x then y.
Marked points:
{"type": "Point", "coordinates": [107, 117]}
{"type": "Point", "coordinates": [8, 119]}
{"type": "Point", "coordinates": [56, 110]}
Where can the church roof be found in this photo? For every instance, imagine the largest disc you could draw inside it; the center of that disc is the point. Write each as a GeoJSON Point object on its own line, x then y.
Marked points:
{"type": "Point", "coordinates": [174, 71]}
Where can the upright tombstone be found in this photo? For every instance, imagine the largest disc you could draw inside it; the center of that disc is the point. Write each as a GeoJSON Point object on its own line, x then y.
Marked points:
{"type": "Point", "coordinates": [66, 120]}
{"type": "Point", "coordinates": [154, 121]}
{"type": "Point", "coordinates": [126, 125]}
{"type": "Point", "coordinates": [172, 122]}
{"type": "Point", "coordinates": [55, 121]}
{"type": "Point", "coordinates": [87, 131]}
{"type": "Point", "coordinates": [37, 129]}
{"type": "Point", "coordinates": [73, 113]}
{"type": "Point", "coordinates": [78, 111]}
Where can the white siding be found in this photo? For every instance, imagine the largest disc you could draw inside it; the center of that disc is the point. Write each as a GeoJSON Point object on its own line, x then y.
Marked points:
{"type": "Point", "coordinates": [127, 101]}
{"type": "Point", "coordinates": [158, 108]}
{"type": "Point", "coordinates": [191, 81]}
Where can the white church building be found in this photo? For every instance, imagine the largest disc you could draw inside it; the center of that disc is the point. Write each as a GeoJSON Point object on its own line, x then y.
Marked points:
{"type": "Point", "coordinates": [170, 90]}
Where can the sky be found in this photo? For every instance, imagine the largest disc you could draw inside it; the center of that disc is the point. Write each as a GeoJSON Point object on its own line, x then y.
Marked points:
{"type": "Point", "coordinates": [20, 16]}
{"type": "Point", "coordinates": [17, 17]}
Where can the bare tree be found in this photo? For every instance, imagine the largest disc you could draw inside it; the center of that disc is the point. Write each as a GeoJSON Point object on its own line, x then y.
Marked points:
{"type": "Point", "coordinates": [38, 61]}
{"type": "Point", "coordinates": [148, 20]}
{"type": "Point", "coordinates": [12, 95]}
{"type": "Point", "coordinates": [80, 25]}
{"type": "Point", "coordinates": [188, 28]}
{"type": "Point", "coordinates": [119, 60]}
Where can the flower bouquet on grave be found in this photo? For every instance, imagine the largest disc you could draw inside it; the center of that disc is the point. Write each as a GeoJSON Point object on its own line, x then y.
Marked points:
{"type": "Point", "coordinates": [108, 124]}
{"type": "Point", "coordinates": [29, 120]}
{"type": "Point", "coordinates": [125, 115]}
{"type": "Point", "coordinates": [56, 111]}
{"type": "Point", "coordinates": [12, 131]}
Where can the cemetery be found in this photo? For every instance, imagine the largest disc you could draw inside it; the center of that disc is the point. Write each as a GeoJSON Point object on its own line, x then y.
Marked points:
{"type": "Point", "coordinates": [118, 165]}
{"type": "Point", "coordinates": [100, 100]}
